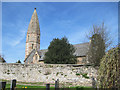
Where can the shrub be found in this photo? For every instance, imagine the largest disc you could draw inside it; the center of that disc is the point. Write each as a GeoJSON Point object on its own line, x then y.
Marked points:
{"type": "Point", "coordinates": [108, 73]}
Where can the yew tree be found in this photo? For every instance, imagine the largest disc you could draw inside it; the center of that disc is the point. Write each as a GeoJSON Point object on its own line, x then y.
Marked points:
{"type": "Point", "coordinates": [60, 51]}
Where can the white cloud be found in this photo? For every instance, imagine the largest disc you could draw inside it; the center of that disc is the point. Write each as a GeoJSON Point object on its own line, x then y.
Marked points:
{"type": "Point", "coordinates": [14, 39]}
{"type": "Point", "coordinates": [19, 38]}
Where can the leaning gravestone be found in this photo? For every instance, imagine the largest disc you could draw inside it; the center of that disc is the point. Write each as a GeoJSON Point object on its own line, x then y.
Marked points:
{"type": "Point", "coordinates": [2, 85]}
{"type": "Point", "coordinates": [13, 84]}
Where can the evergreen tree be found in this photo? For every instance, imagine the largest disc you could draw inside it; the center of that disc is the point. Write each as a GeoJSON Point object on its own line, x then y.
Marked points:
{"type": "Point", "coordinates": [60, 52]}
{"type": "Point", "coordinates": [2, 59]}
{"type": "Point", "coordinates": [18, 61]}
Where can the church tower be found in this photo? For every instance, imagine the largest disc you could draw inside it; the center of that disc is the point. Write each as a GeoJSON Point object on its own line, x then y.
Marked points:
{"type": "Point", "coordinates": [33, 35]}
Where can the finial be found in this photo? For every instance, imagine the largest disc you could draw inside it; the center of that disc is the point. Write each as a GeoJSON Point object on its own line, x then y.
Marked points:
{"type": "Point", "coordinates": [35, 8]}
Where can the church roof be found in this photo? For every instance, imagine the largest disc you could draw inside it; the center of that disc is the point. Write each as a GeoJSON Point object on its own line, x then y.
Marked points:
{"type": "Point", "coordinates": [30, 56]}
{"type": "Point", "coordinates": [80, 50]}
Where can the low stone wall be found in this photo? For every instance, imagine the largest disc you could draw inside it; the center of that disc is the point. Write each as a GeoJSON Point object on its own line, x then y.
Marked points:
{"type": "Point", "coordinates": [48, 73]}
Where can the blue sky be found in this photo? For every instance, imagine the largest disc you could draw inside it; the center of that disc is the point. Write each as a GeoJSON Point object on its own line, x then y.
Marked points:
{"type": "Point", "coordinates": [72, 20]}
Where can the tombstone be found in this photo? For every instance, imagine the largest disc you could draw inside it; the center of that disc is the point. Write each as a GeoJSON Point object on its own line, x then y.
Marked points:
{"type": "Point", "coordinates": [93, 82]}
{"type": "Point", "coordinates": [47, 86]}
{"type": "Point", "coordinates": [2, 85]}
{"type": "Point", "coordinates": [13, 84]}
{"type": "Point", "coordinates": [57, 84]}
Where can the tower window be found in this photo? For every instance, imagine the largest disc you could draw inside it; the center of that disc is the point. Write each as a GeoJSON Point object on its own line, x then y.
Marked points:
{"type": "Point", "coordinates": [28, 37]}
{"type": "Point", "coordinates": [38, 38]}
{"type": "Point", "coordinates": [36, 57]}
{"type": "Point", "coordinates": [32, 46]}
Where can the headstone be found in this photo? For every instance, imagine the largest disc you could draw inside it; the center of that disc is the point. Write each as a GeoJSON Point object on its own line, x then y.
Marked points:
{"type": "Point", "coordinates": [13, 84]}
{"type": "Point", "coordinates": [47, 86]}
{"type": "Point", "coordinates": [2, 85]}
{"type": "Point", "coordinates": [57, 84]}
{"type": "Point", "coordinates": [93, 82]}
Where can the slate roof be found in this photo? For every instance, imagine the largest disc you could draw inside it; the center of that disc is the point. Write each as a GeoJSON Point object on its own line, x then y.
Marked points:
{"type": "Point", "coordinates": [80, 50]}
{"type": "Point", "coordinates": [30, 57]}
{"type": "Point", "coordinates": [42, 53]}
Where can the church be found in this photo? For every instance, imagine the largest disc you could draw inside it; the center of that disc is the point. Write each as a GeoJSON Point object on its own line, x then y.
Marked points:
{"type": "Point", "coordinates": [33, 54]}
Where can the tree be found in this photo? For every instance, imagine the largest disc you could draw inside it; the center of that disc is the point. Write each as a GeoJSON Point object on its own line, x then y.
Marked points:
{"type": "Point", "coordinates": [60, 52]}
{"type": "Point", "coordinates": [18, 61]}
{"type": "Point", "coordinates": [96, 49]}
{"type": "Point", "coordinates": [109, 70]}
{"type": "Point", "coordinates": [2, 59]}
{"type": "Point", "coordinates": [99, 42]}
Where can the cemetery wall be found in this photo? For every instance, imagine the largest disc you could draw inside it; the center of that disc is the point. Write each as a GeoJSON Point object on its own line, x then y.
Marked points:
{"type": "Point", "coordinates": [48, 73]}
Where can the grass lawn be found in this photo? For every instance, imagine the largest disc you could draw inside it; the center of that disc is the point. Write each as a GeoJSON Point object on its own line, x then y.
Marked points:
{"type": "Point", "coordinates": [43, 87]}
{"type": "Point", "coordinates": [25, 86]}
{"type": "Point", "coordinates": [39, 85]}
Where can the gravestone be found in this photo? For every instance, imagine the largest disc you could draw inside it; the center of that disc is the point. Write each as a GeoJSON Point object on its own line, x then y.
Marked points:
{"type": "Point", "coordinates": [2, 85]}
{"type": "Point", "coordinates": [57, 84]}
{"type": "Point", "coordinates": [93, 82]}
{"type": "Point", "coordinates": [13, 84]}
{"type": "Point", "coordinates": [47, 86]}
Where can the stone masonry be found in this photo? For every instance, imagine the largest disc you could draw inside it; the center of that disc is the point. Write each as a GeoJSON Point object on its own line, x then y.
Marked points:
{"type": "Point", "coordinates": [48, 73]}
{"type": "Point", "coordinates": [33, 35]}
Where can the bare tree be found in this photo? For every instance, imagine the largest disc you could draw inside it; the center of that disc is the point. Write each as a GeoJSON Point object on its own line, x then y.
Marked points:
{"type": "Point", "coordinates": [99, 42]}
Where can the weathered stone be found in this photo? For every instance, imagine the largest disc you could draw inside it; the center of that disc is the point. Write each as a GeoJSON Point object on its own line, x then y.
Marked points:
{"type": "Point", "coordinates": [34, 73]}
{"type": "Point", "coordinates": [33, 35]}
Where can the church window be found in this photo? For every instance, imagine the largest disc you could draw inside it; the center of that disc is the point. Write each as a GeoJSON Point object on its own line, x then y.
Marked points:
{"type": "Point", "coordinates": [28, 37]}
{"type": "Point", "coordinates": [36, 57]}
{"type": "Point", "coordinates": [38, 38]}
{"type": "Point", "coordinates": [32, 46]}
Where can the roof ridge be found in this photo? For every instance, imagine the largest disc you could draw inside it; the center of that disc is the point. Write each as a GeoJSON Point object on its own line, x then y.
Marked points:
{"type": "Point", "coordinates": [81, 43]}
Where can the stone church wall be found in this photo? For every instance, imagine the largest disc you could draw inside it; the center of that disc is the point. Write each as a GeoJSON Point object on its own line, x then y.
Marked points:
{"type": "Point", "coordinates": [48, 73]}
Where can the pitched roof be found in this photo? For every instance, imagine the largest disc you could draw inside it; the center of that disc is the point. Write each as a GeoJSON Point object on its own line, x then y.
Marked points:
{"type": "Point", "coordinates": [30, 56]}
{"type": "Point", "coordinates": [42, 53]}
{"type": "Point", "coordinates": [80, 50]}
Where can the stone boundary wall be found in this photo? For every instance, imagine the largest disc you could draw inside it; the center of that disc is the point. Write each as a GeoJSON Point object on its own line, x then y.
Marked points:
{"type": "Point", "coordinates": [48, 73]}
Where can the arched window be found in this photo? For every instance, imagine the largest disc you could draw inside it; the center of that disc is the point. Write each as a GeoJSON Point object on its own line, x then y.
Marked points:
{"type": "Point", "coordinates": [36, 57]}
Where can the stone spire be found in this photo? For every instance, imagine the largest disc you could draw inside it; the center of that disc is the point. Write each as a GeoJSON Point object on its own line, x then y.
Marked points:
{"type": "Point", "coordinates": [33, 35]}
